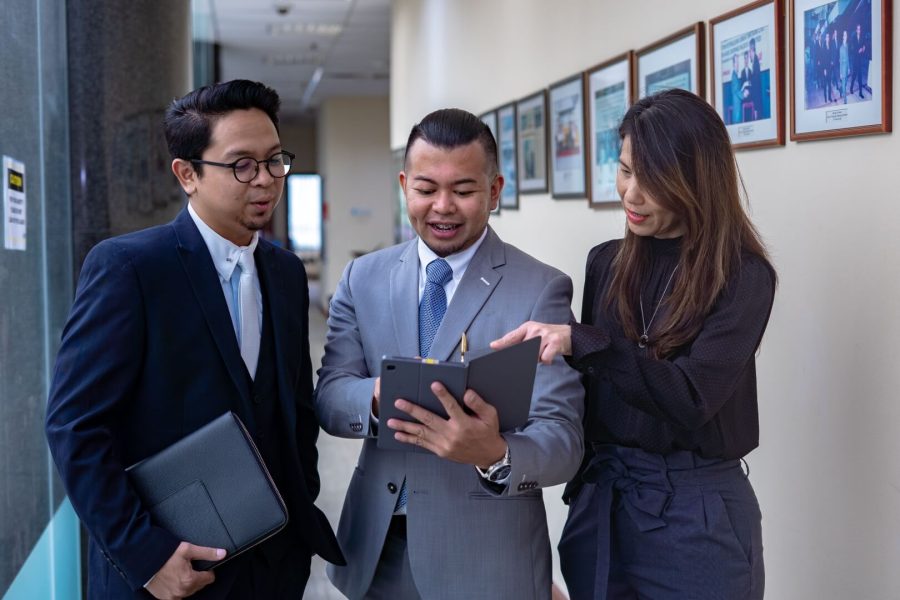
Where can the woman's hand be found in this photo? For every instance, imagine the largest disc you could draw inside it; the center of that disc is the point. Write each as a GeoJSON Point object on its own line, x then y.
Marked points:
{"type": "Point", "coordinates": [555, 339]}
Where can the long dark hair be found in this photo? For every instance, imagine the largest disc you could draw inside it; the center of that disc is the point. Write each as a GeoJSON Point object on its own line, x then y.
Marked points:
{"type": "Point", "coordinates": [682, 157]}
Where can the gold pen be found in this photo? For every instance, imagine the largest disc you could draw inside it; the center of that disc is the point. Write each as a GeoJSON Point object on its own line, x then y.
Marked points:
{"type": "Point", "coordinates": [463, 346]}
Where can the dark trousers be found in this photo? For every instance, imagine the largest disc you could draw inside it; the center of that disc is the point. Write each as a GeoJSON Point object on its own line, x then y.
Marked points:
{"type": "Point", "coordinates": [393, 578]}
{"type": "Point", "coordinates": [258, 579]}
{"type": "Point", "coordinates": [663, 527]}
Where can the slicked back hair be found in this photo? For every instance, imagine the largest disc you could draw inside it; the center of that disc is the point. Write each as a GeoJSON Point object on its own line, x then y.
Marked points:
{"type": "Point", "coordinates": [189, 120]}
{"type": "Point", "coordinates": [451, 128]}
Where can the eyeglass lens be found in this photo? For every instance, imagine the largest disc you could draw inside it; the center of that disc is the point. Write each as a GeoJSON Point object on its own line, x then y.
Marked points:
{"type": "Point", "coordinates": [246, 169]}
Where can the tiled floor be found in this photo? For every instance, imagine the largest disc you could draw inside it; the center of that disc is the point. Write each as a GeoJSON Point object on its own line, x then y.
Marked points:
{"type": "Point", "coordinates": [337, 457]}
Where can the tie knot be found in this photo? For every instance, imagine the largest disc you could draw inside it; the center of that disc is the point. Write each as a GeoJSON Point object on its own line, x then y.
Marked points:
{"type": "Point", "coordinates": [438, 271]}
{"type": "Point", "coordinates": [245, 262]}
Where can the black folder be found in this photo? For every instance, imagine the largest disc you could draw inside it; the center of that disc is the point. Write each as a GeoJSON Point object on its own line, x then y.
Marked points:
{"type": "Point", "coordinates": [503, 378]}
{"type": "Point", "coordinates": [212, 488]}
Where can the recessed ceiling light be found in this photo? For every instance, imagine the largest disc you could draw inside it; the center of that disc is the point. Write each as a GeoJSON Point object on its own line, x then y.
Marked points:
{"type": "Point", "coordinates": [302, 28]}
{"type": "Point", "coordinates": [280, 60]}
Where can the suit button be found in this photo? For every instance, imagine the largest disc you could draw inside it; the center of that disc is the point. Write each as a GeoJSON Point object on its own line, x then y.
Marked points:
{"type": "Point", "coordinates": [256, 399]}
{"type": "Point", "coordinates": [392, 488]}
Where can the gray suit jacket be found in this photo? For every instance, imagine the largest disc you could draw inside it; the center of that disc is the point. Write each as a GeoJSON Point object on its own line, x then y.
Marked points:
{"type": "Point", "coordinates": [465, 540]}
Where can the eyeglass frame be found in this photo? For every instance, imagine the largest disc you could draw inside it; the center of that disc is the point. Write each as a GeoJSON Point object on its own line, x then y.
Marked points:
{"type": "Point", "coordinates": [233, 165]}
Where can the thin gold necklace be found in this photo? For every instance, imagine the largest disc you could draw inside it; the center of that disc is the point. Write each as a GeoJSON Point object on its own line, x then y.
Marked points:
{"type": "Point", "coordinates": [645, 339]}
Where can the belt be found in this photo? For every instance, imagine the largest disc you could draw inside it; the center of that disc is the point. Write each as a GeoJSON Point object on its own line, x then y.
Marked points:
{"type": "Point", "coordinates": [642, 483]}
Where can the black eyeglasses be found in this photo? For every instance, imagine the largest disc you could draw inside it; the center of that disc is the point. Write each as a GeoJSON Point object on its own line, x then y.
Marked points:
{"type": "Point", "coordinates": [246, 169]}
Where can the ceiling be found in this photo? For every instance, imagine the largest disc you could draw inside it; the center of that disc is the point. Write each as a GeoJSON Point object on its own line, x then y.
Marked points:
{"type": "Point", "coordinates": [308, 50]}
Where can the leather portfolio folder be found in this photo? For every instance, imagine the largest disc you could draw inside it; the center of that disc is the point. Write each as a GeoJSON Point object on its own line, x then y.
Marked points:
{"type": "Point", "coordinates": [211, 488]}
{"type": "Point", "coordinates": [503, 378]}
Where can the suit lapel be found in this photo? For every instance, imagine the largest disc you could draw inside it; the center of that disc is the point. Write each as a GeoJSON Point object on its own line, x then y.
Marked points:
{"type": "Point", "coordinates": [272, 283]}
{"type": "Point", "coordinates": [477, 285]}
{"type": "Point", "coordinates": [208, 291]}
{"type": "Point", "coordinates": [404, 299]}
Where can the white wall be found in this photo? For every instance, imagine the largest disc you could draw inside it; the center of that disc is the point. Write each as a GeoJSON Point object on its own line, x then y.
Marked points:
{"type": "Point", "coordinates": [827, 472]}
{"type": "Point", "coordinates": [354, 159]}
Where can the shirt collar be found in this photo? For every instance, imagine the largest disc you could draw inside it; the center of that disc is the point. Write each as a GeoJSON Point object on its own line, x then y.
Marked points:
{"type": "Point", "coordinates": [224, 253]}
{"type": "Point", "coordinates": [459, 262]}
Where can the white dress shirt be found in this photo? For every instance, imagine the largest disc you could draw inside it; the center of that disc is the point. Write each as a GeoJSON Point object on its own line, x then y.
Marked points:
{"type": "Point", "coordinates": [459, 262]}
{"type": "Point", "coordinates": [225, 258]}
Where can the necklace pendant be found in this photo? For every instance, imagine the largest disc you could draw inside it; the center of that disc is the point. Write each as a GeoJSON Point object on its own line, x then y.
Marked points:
{"type": "Point", "coordinates": [642, 343]}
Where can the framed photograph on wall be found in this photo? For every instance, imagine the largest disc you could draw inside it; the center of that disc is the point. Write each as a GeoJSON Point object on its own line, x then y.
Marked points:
{"type": "Point", "coordinates": [506, 150]}
{"type": "Point", "coordinates": [675, 61]}
{"type": "Point", "coordinates": [746, 49]}
{"type": "Point", "coordinates": [531, 144]}
{"type": "Point", "coordinates": [490, 119]}
{"type": "Point", "coordinates": [567, 153]}
{"type": "Point", "coordinates": [840, 68]}
{"type": "Point", "coordinates": [608, 94]}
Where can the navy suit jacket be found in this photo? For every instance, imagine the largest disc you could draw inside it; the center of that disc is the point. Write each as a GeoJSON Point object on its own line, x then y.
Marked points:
{"type": "Point", "coordinates": [149, 355]}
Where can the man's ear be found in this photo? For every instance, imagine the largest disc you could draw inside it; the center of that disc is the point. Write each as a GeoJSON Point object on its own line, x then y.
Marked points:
{"type": "Point", "coordinates": [186, 175]}
{"type": "Point", "coordinates": [496, 190]}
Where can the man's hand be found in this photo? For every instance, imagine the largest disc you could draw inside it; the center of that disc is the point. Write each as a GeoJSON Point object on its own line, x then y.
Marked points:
{"type": "Point", "coordinates": [471, 439]}
{"type": "Point", "coordinates": [555, 339]}
{"type": "Point", "coordinates": [376, 396]}
{"type": "Point", "coordinates": [177, 578]}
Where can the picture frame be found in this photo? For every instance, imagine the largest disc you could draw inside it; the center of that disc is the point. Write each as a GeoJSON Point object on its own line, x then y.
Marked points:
{"type": "Point", "coordinates": [568, 159]}
{"type": "Point", "coordinates": [746, 63]}
{"type": "Point", "coordinates": [531, 143]}
{"type": "Point", "coordinates": [507, 156]}
{"type": "Point", "coordinates": [675, 61]}
{"type": "Point", "coordinates": [853, 98]}
{"type": "Point", "coordinates": [608, 92]}
{"type": "Point", "coordinates": [490, 119]}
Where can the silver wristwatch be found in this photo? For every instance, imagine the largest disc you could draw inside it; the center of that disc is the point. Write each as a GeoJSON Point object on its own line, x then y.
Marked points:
{"type": "Point", "coordinates": [499, 471]}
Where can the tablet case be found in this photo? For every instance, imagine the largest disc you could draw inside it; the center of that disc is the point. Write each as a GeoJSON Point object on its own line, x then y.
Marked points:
{"type": "Point", "coordinates": [504, 378]}
{"type": "Point", "coordinates": [212, 489]}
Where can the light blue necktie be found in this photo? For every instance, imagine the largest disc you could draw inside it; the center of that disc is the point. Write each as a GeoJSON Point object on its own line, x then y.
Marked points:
{"type": "Point", "coordinates": [431, 311]}
{"type": "Point", "coordinates": [235, 282]}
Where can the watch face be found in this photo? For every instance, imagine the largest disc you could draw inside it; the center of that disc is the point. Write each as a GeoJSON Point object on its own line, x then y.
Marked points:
{"type": "Point", "coordinates": [501, 473]}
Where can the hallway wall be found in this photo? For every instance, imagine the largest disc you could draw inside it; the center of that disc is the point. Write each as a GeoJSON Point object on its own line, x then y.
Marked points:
{"type": "Point", "coordinates": [354, 160]}
{"type": "Point", "coordinates": [828, 468]}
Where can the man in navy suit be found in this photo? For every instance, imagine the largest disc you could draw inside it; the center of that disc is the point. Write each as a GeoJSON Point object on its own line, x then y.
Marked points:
{"type": "Point", "coordinates": [171, 327]}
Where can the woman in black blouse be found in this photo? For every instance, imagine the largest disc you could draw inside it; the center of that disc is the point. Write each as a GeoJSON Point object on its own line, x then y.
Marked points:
{"type": "Point", "coordinates": [672, 317]}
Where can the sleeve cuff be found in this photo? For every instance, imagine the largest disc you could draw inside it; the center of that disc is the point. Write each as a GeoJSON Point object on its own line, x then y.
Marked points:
{"type": "Point", "coordinates": [586, 340]}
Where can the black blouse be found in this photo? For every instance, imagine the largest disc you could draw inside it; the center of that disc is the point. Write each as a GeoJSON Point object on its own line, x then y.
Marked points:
{"type": "Point", "coordinates": [701, 398]}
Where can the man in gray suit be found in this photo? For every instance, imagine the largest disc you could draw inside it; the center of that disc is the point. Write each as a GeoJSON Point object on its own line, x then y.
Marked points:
{"type": "Point", "coordinates": [465, 520]}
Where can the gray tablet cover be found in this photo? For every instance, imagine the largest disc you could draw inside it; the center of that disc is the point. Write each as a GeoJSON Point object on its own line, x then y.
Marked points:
{"type": "Point", "coordinates": [504, 378]}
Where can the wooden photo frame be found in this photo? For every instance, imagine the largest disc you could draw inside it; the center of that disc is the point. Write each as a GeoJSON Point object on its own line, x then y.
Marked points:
{"type": "Point", "coordinates": [608, 92]}
{"type": "Point", "coordinates": [490, 119]}
{"type": "Point", "coordinates": [844, 90]}
{"type": "Point", "coordinates": [507, 156]}
{"type": "Point", "coordinates": [568, 159]}
{"type": "Point", "coordinates": [746, 64]}
{"type": "Point", "coordinates": [676, 61]}
{"type": "Point", "coordinates": [531, 143]}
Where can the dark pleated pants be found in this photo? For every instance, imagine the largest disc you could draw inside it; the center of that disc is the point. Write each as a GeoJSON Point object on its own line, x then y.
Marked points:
{"type": "Point", "coordinates": [647, 526]}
